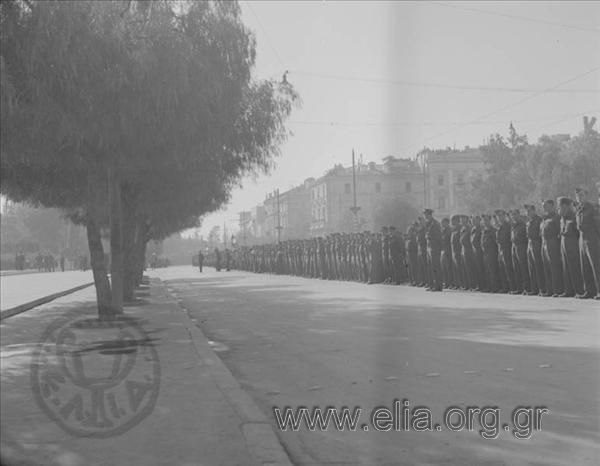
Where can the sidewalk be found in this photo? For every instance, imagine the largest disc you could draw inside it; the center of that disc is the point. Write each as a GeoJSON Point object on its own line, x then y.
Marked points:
{"type": "Point", "coordinates": [200, 415]}
{"type": "Point", "coordinates": [18, 289]}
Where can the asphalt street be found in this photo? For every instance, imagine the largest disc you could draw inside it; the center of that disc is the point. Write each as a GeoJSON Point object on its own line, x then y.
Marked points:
{"type": "Point", "coordinates": [296, 342]}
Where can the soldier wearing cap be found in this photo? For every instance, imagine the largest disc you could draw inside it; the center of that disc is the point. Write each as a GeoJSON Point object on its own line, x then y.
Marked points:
{"type": "Point", "coordinates": [588, 223]}
{"type": "Point", "coordinates": [550, 232]}
{"type": "Point", "coordinates": [466, 253]}
{"type": "Point", "coordinates": [489, 248]}
{"type": "Point", "coordinates": [505, 251]}
{"type": "Point", "coordinates": [457, 269]}
{"type": "Point", "coordinates": [478, 253]}
{"type": "Point", "coordinates": [569, 249]}
{"type": "Point", "coordinates": [410, 244]}
{"type": "Point", "coordinates": [385, 254]}
{"type": "Point", "coordinates": [446, 257]}
{"type": "Point", "coordinates": [376, 273]}
{"type": "Point", "coordinates": [363, 252]}
{"type": "Point", "coordinates": [433, 234]}
{"type": "Point", "coordinates": [534, 251]}
{"type": "Point", "coordinates": [397, 255]}
{"type": "Point", "coordinates": [518, 237]}
{"type": "Point", "coordinates": [422, 252]}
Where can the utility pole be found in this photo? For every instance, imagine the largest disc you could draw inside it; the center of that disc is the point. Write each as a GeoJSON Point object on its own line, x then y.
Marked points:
{"type": "Point", "coordinates": [279, 227]}
{"type": "Point", "coordinates": [354, 209]}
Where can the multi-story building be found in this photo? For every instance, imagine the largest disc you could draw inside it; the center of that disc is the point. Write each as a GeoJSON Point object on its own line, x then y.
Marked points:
{"type": "Point", "coordinates": [289, 212]}
{"type": "Point", "coordinates": [333, 195]}
{"type": "Point", "coordinates": [446, 175]}
{"type": "Point", "coordinates": [436, 179]}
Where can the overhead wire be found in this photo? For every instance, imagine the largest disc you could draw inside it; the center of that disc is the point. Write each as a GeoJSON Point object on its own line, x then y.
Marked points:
{"type": "Point", "coordinates": [506, 107]}
{"type": "Point", "coordinates": [517, 17]}
{"type": "Point", "coordinates": [399, 82]}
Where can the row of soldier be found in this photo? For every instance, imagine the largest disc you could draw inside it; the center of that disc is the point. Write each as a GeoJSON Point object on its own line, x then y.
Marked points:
{"type": "Point", "coordinates": [556, 254]}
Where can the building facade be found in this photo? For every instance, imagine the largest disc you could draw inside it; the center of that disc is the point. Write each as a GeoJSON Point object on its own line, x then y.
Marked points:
{"type": "Point", "coordinates": [333, 196]}
{"type": "Point", "coordinates": [318, 207]}
{"type": "Point", "coordinates": [447, 175]}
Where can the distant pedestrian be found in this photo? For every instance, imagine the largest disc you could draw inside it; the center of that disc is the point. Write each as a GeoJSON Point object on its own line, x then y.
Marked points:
{"type": "Point", "coordinates": [217, 260]}
{"type": "Point", "coordinates": [200, 260]}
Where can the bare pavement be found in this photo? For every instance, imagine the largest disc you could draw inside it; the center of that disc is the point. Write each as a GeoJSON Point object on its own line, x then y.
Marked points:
{"type": "Point", "coordinates": [295, 342]}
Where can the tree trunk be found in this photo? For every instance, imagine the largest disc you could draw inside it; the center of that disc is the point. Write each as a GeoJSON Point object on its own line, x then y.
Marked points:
{"type": "Point", "coordinates": [116, 240]}
{"type": "Point", "coordinates": [129, 238]}
{"type": "Point", "coordinates": [103, 295]}
{"type": "Point", "coordinates": [141, 259]}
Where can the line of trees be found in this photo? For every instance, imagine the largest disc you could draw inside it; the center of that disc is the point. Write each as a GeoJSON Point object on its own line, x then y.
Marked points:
{"type": "Point", "coordinates": [518, 172]}
{"type": "Point", "coordinates": [134, 117]}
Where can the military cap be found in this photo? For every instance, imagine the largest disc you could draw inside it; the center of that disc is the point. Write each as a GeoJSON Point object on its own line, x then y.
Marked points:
{"type": "Point", "coordinates": [499, 211]}
{"type": "Point", "coordinates": [581, 190]}
{"type": "Point", "coordinates": [514, 212]}
{"type": "Point", "coordinates": [529, 206]}
{"type": "Point", "coordinates": [428, 211]}
{"type": "Point", "coordinates": [563, 200]}
{"type": "Point", "coordinates": [547, 201]}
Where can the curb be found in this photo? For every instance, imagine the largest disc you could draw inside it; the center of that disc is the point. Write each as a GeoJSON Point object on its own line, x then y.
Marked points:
{"type": "Point", "coordinates": [46, 299]}
{"type": "Point", "coordinates": [261, 439]}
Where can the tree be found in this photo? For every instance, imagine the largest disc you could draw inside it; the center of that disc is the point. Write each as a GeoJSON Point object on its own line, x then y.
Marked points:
{"type": "Point", "coordinates": [519, 172]}
{"type": "Point", "coordinates": [134, 116]}
{"type": "Point", "coordinates": [394, 212]}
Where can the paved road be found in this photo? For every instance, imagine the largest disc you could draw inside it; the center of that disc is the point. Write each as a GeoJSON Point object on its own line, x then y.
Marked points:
{"type": "Point", "coordinates": [23, 288]}
{"type": "Point", "coordinates": [301, 342]}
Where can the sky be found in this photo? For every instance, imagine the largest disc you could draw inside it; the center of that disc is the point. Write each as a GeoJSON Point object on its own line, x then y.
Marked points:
{"type": "Point", "coordinates": [389, 78]}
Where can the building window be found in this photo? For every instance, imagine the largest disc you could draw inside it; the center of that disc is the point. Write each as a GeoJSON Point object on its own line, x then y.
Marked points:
{"type": "Point", "coordinates": [347, 188]}
{"type": "Point", "coordinates": [440, 180]}
{"type": "Point", "coordinates": [442, 203]}
{"type": "Point", "coordinates": [408, 186]}
{"type": "Point", "coordinates": [377, 187]}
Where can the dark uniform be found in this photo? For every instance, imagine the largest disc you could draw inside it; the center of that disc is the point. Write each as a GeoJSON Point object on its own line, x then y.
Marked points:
{"type": "Point", "coordinates": [507, 274]}
{"type": "Point", "coordinates": [569, 250]}
{"type": "Point", "coordinates": [457, 270]}
{"type": "Point", "coordinates": [446, 257]}
{"type": "Point", "coordinates": [588, 224]}
{"type": "Point", "coordinates": [467, 257]}
{"type": "Point", "coordinates": [412, 253]}
{"type": "Point", "coordinates": [534, 252]}
{"type": "Point", "coordinates": [518, 237]}
{"type": "Point", "coordinates": [433, 234]}
{"type": "Point", "coordinates": [550, 233]}
{"type": "Point", "coordinates": [489, 248]}
{"type": "Point", "coordinates": [478, 255]}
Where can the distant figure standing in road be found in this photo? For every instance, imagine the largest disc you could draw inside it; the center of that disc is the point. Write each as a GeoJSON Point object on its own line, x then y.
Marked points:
{"type": "Point", "coordinates": [217, 260]}
{"type": "Point", "coordinates": [227, 260]}
{"type": "Point", "coordinates": [200, 260]}
{"type": "Point", "coordinates": [62, 263]}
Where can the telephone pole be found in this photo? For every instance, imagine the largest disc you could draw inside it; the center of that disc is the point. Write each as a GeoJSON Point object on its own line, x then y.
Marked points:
{"type": "Point", "coordinates": [354, 209]}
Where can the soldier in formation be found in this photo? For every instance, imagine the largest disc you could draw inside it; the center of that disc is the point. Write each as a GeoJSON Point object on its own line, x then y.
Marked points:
{"type": "Point", "coordinates": [554, 254]}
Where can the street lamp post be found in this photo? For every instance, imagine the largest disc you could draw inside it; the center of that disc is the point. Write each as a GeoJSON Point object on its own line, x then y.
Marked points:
{"type": "Point", "coordinates": [354, 209]}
